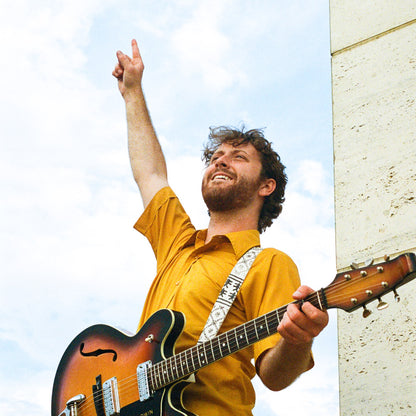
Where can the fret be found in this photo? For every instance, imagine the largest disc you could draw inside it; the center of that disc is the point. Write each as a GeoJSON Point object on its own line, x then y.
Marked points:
{"type": "Point", "coordinates": [236, 338]}
{"type": "Point", "coordinates": [252, 333]}
{"type": "Point", "coordinates": [219, 348]}
{"type": "Point", "coordinates": [228, 342]}
{"type": "Point", "coordinates": [222, 341]}
{"type": "Point", "coordinates": [255, 328]}
{"type": "Point", "coordinates": [168, 371]}
{"type": "Point", "coordinates": [197, 354]}
{"type": "Point", "coordinates": [178, 365]}
{"type": "Point", "coordinates": [208, 351]}
{"type": "Point", "coordinates": [152, 379]}
{"type": "Point", "coordinates": [245, 332]}
{"type": "Point", "coordinates": [205, 354]}
{"type": "Point", "coordinates": [157, 374]}
{"type": "Point", "coordinates": [278, 317]}
{"type": "Point", "coordinates": [192, 358]}
{"type": "Point", "coordinates": [319, 300]}
{"type": "Point", "coordinates": [241, 338]}
{"type": "Point", "coordinates": [166, 377]}
{"type": "Point", "coordinates": [182, 363]}
{"type": "Point", "coordinates": [263, 326]}
{"type": "Point", "coordinates": [267, 324]}
{"type": "Point", "coordinates": [212, 350]}
{"type": "Point", "coordinates": [175, 366]}
{"type": "Point", "coordinates": [186, 361]}
{"type": "Point", "coordinates": [153, 374]}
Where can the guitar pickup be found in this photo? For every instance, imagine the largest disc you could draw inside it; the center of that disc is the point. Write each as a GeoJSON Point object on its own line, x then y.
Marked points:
{"type": "Point", "coordinates": [143, 381]}
{"type": "Point", "coordinates": [111, 398]}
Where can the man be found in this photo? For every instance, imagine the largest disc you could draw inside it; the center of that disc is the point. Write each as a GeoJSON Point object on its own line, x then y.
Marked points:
{"type": "Point", "coordinates": [192, 266]}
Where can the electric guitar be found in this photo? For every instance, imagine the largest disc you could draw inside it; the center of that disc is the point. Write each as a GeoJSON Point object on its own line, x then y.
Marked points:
{"type": "Point", "coordinates": [105, 372]}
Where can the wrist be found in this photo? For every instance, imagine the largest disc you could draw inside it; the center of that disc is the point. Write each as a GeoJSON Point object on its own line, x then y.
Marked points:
{"type": "Point", "coordinates": [133, 94]}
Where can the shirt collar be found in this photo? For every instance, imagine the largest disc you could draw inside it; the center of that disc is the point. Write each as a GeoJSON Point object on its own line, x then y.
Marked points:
{"type": "Point", "coordinates": [241, 241]}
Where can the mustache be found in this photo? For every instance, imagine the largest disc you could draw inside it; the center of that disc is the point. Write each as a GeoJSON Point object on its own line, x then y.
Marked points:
{"type": "Point", "coordinates": [222, 171]}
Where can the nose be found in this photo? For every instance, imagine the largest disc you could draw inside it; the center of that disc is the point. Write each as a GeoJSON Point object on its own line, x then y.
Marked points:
{"type": "Point", "coordinates": [222, 161]}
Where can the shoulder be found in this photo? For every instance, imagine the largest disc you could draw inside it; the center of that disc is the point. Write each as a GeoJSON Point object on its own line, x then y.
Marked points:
{"type": "Point", "coordinates": [273, 265]}
{"type": "Point", "coordinates": [273, 255]}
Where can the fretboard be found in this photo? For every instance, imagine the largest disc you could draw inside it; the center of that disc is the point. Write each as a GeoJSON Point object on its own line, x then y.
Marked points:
{"type": "Point", "coordinates": [191, 360]}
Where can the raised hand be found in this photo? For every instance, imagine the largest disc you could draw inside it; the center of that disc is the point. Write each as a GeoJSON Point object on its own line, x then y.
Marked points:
{"type": "Point", "coordinates": [129, 71]}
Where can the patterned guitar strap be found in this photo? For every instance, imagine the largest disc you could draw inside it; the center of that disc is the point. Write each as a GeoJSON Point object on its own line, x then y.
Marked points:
{"type": "Point", "coordinates": [228, 294]}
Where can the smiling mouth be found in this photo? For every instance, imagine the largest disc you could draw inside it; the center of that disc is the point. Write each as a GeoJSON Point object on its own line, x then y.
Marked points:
{"type": "Point", "coordinates": [221, 178]}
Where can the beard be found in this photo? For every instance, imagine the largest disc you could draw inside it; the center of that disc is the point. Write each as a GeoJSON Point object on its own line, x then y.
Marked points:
{"type": "Point", "coordinates": [230, 197]}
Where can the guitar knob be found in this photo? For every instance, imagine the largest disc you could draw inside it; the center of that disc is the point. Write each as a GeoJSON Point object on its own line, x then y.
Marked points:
{"type": "Point", "coordinates": [366, 312]}
{"type": "Point", "coordinates": [381, 305]}
{"type": "Point", "coordinates": [396, 296]}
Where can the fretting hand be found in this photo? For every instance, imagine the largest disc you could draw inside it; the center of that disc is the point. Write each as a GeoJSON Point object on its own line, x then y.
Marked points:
{"type": "Point", "coordinates": [301, 325]}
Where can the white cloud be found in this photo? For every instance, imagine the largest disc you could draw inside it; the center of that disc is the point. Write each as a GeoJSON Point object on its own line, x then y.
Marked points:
{"type": "Point", "coordinates": [70, 257]}
{"type": "Point", "coordinates": [204, 49]}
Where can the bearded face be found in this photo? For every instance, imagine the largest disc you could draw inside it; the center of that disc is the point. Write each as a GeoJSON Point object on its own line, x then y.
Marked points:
{"type": "Point", "coordinates": [224, 190]}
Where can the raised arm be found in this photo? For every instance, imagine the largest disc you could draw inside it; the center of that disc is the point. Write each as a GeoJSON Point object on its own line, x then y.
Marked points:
{"type": "Point", "coordinates": [146, 157]}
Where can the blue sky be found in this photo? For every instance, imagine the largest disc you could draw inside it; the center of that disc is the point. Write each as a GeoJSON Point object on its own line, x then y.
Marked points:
{"type": "Point", "coordinates": [70, 257]}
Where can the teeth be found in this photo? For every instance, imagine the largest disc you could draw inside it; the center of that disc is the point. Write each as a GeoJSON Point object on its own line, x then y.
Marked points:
{"type": "Point", "coordinates": [226, 178]}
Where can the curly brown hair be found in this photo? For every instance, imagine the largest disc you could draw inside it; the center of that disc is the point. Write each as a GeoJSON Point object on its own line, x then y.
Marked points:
{"type": "Point", "coordinates": [270, 160]}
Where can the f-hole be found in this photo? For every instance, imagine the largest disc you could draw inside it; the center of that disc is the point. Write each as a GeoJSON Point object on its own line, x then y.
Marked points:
{"type": "Point", "coordinates": [97, 352]}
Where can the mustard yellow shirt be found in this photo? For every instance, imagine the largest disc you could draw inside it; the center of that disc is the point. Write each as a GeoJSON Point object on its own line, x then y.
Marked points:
{"type": "Point", "coordinates": [190, 275]}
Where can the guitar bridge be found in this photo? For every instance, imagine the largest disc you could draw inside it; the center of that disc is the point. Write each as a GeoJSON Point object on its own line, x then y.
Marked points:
{"type": "Point", "coordinates": [143, 381]}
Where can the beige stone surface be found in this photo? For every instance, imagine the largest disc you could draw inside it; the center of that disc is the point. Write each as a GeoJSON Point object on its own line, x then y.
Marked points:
{"type": "Point", "coordinates": [374, 118]}
{"type": "Point", "coordinates": [377, 358]}
{"type": "Point", "coordinates": [354, 21]}
{"type": "Point", "coordinates": [374, 106]}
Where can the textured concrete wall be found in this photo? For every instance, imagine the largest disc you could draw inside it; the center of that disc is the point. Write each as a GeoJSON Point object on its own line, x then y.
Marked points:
{"type": "Point", "coordinates": [373, 45]}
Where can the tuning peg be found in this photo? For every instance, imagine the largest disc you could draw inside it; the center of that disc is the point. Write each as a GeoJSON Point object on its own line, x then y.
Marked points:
{"type": "Point", "coordinates": [381, 305]}
{"type": "Point", "coordinates": [368, 262]}
{"type": "Point", "coordinates": [366, 312]}
{"type": "Point", "coordinates": [396, 296]}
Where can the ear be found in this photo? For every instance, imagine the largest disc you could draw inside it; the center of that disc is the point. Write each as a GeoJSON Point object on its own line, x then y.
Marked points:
{"type": "Point", "coordinates": [267, 187]}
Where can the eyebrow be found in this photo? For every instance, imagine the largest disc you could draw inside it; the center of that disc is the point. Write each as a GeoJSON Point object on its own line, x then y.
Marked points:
{"type": "Point", "coordinates": [233, 152]}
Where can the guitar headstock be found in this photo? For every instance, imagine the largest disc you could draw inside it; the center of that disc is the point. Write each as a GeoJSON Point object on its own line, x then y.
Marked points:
{"type": "Point", "coordinates": [357, 287]}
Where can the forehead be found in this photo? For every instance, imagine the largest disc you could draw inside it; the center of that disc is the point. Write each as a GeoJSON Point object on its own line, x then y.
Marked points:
{"type": "Point", "coordinates": [230, 148]}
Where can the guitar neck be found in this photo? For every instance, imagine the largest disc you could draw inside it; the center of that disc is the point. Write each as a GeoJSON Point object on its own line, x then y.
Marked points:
{"type": "Point", "coordinates": [191, 360]}
{"type": "Point", "coordinates": [348, 291]}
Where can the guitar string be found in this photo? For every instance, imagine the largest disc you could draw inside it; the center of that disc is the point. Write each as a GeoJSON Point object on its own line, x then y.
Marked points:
{"type": "Point", "coordinates": [334, 287]}
{"type": "Point", "coordinates": [87, 403]}
{"type": "Point", "coordinates": [241, 337]}
{"type": "Point", "coordinates": [371, 272]}
{"type": "Point", "coordinates": [328, 292]}
{"type": "Point", "coordinates": [337, 286]}
{"type": "Point", "coordinates": [235, 344]}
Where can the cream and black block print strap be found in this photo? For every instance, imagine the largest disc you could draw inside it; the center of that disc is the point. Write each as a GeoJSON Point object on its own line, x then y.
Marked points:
{"type": "Point", "coordinates": [228, 294]}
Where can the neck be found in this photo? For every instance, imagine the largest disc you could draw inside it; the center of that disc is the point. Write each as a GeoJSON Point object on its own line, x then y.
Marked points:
{"type": "Point", "coordinates": [221, 223]}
